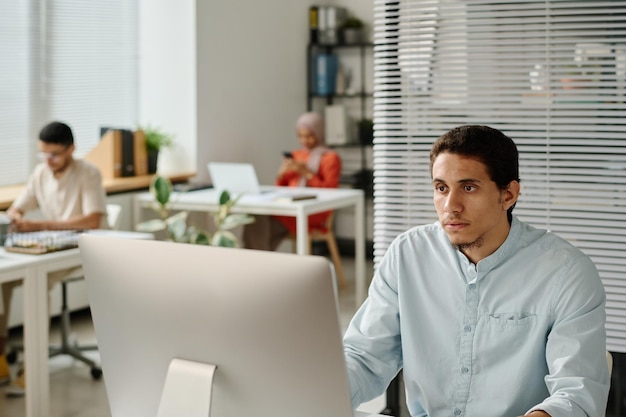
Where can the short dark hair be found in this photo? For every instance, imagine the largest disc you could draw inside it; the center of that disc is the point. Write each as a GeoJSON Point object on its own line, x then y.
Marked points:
{"type": "Point", "coordinates": [488, 145]}
{"type": "Point", "coordinates": [57, 133]}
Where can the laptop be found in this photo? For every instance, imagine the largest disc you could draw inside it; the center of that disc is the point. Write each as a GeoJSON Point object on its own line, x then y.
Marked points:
{"type": "Point", "coordinates": [234, 177]}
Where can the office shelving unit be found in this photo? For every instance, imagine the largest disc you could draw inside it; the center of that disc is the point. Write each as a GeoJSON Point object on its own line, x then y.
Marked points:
{"type": "Point", "coordinates": [358, 102]}
{"type": "Point", "coordinates": [357, 171]}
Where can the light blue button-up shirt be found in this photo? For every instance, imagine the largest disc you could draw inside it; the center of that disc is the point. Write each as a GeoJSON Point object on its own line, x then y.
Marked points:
{"type": "Point", "coordinates": [522, 330]}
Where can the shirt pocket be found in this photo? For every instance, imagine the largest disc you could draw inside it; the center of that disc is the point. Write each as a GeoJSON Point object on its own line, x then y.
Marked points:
{"type": "Point", "coordinates": [511, 321]}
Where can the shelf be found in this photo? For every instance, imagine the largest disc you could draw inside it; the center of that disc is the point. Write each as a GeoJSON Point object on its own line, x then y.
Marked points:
{"type": "Point", "coordinates": [350, 145]}
{"type": "Point", "coordinates": [358, 102]}
{"type": "Point", "coordinates": [111, 186]}
{"type": "Point", "coordinates": [353, 96]}
{"type": "Point", "coordinates": [362, 180]}
{"type": "Point", "coordinates": [341, 45]}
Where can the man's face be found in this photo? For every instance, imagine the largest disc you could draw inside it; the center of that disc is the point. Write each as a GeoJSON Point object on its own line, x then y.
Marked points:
{"type": "Point", "coordinates": [471, 207]}
{"type": "Point", "coordinates": [58, 157]}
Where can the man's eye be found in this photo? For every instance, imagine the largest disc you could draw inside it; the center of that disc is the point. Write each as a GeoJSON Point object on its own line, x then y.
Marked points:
{"type": "Point", "coordinates": [469, 188]}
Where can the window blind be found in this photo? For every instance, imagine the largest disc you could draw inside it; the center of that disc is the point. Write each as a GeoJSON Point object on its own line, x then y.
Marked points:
{"type": "Point", "coordinates": [549, 74]}
{"type": "Point", "coordinates": [68, 60]}
{"type": "Point", "coordinates": [93, 66]}
{"type": "Point", "coordinates": [14, 90]}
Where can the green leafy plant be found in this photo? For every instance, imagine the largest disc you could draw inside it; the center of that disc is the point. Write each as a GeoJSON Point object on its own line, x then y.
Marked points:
{"type": "Point", "coordinates": [156, 139]}
{"type": "Point", "coordinates": [176, 225]}
{"type": "Point", "coordinates": [352, 23]}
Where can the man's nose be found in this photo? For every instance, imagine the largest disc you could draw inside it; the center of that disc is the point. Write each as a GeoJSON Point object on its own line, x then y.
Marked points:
{"type": "Point", "coordinates": [454, 202]}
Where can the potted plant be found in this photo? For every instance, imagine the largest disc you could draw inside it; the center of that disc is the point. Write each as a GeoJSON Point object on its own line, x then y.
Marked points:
{"type": "Point", "coordinates": [156, 139]}
{"type": "Point", "coordinates": [176, 225]}
{"type": "Point", "coordinates": [352, 30]}
{"type": "Point", "coordinates": [366, 131]}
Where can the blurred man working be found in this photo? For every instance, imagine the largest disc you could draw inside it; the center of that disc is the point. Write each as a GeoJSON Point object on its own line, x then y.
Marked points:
{"type": "Point", "coordinates": [70, 195]}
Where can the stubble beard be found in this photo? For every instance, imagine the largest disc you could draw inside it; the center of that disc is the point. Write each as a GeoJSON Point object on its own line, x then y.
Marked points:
{"type": "Point", "coordinates": [477, 243]}
{"type": "Point", "coordinates": [61, 169]}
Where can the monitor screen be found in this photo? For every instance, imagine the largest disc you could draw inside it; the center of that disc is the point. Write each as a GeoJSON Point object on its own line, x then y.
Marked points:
{"type": "Point", "coordinates": [267, 320]}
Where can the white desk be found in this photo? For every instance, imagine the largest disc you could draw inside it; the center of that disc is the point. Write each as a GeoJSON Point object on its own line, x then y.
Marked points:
{"type": "Point", "coordinates": [34, 270]}
{"type": "Point", "coordinates": [327, 199]}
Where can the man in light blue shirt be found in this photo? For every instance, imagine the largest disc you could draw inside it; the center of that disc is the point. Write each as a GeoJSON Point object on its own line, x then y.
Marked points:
{"type": "Point", "coordinates": [486, 315]}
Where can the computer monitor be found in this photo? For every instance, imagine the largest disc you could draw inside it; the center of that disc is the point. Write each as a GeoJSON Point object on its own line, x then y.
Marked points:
{"type": "Point", "coordinates": [267, 320]}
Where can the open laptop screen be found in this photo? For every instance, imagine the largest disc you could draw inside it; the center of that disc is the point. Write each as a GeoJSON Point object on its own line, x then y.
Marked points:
{"type": "Point", "coordinates": [236, 178]}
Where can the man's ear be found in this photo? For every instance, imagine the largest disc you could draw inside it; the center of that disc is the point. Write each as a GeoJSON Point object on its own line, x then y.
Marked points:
{"type": "Point", "coordinates": [510, 194]}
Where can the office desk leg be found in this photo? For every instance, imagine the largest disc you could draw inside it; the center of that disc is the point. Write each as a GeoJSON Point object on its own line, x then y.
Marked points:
{"type": "Point", "coordinates": [36, 343]}
{"type": "Point", "coordinates": [359, 252]}
{"type": "Point", "coordinates": [302, 233]}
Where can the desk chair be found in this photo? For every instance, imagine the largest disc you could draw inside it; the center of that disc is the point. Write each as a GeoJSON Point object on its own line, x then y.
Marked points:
{"type": "Point", "coordinates": [326, 234]}
{"type": "Point", "coordinates": [609, 361]}
{"type": "Point", "coordinates": [67, 346]}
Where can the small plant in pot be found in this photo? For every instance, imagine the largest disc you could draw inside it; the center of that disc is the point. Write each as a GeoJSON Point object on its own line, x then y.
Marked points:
{"type": "Point", "coordinates": [352, 31]}
{"type": "Point", "coordinates": [176, 228]}
{"type": "Point", "coordinates": [366, 131]}
{"type": "Point", "coordinates": [156, 139]}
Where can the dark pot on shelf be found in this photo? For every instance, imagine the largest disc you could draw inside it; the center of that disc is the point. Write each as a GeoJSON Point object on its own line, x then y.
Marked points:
{"type": "Point", "coordinates": [351, 36]}
{"type": "Point", "coordinates": [364, 180]}
{"type": "Point", "coordinates": [153, 157]}
{"type": "Point", "coordinates": [366, 133]}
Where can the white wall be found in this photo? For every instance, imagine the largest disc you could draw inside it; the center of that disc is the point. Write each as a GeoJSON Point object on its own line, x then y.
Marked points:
{"type": "Point", "coordinates": [167, 77]}
{"type": "Point", "coordinates": [227, 78]}
{"type": "Point", "coordinates": [251, 80]}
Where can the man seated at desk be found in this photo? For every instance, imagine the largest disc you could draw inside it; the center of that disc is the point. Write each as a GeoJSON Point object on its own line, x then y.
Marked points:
{"type": "Point", "coordinates": [70, 195]}
{"type": "Point", "coordinates": [485, 314]}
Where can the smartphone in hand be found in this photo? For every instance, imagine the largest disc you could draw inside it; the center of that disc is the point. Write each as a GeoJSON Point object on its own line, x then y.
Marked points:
{"type": "Point", "coordinates": [287, 154]}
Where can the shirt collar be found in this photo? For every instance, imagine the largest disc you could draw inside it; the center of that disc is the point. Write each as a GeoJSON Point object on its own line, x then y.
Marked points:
{"type": "Point", "coordinates": [64, 174]}
{"type": "Point", "coordinates": [504, 252]}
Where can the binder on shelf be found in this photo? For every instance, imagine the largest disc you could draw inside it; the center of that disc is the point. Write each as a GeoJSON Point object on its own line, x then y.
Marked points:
{"type": "Point", "coordinates": [140, 153]}
{"type": "Point", "coordinates": [330, 19]}
{"type": "Point", "coordinates": [325, 73]}
{"type": "Point", "coordinates": [336, 125]}
{"type": "Point", "coordinates": [107, 154]}
{"type": "Point", "coordinates": [313, 24]}
{"type": "Point", "coordinates": [128, 153]}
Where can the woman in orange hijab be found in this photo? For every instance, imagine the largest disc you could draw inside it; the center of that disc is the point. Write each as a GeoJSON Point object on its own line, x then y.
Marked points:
{"type": "Point", "coordinates": [312, 165]}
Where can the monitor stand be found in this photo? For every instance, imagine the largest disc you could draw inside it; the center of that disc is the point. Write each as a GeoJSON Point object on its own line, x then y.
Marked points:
{"type": "Point", "coordinates": [187, 389]}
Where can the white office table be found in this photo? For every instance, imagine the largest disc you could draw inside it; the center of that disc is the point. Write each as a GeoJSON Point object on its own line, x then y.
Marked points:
{"type": "Point", "coordinates": [34, 270]}
{"type": "Point", "coordinates": [327, 199]}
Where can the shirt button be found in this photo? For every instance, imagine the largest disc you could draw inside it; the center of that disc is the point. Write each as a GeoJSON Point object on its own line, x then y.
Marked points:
{"type": "Point", "coordinates": [465, 369]}
{"type": "Point", "coordinates": [467, 328]}
{"type": "Point", "coordinates": [457, 412]}
{"type": "Point", "coordinates": [472, 286]}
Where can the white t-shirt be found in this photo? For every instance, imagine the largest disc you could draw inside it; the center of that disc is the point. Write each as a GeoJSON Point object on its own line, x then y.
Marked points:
{"type": "Point", "coordinates": [77, 192]}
